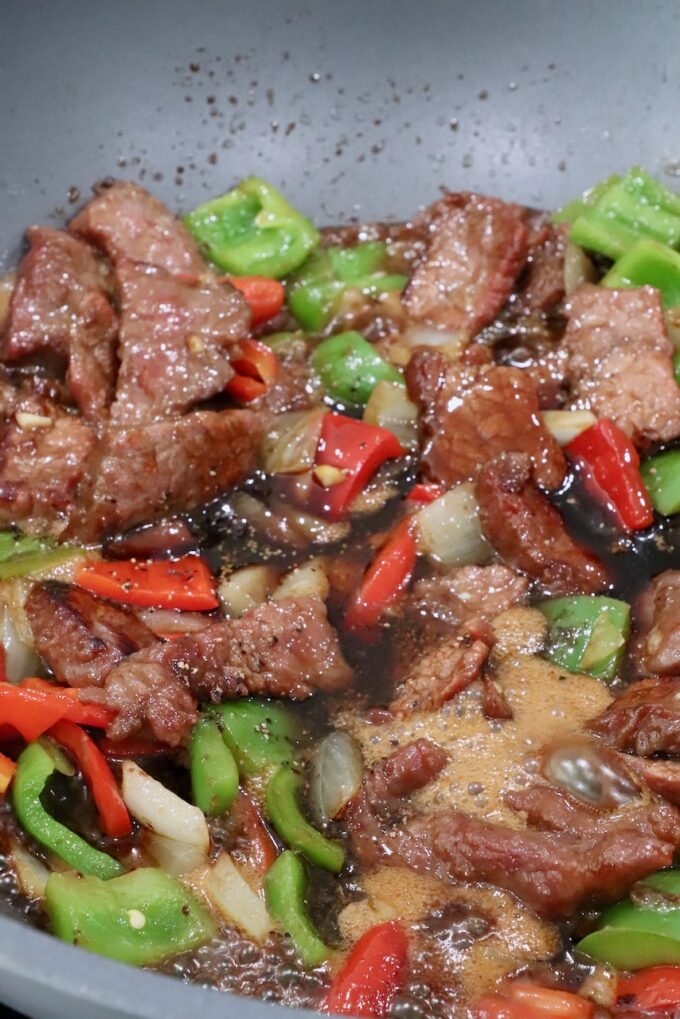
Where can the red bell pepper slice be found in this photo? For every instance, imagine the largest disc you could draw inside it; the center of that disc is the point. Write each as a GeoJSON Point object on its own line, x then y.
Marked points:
{"type": "Point", "coordinates": [256, 370]}
{"type": "Point", "coordinates": [186, 583]}
{"type": "Point", "coordinates": [654, 989]}
{"type": "Point", "coordinates": [259, 849]}
{"type": "Point", "coordinates": [113, 813]}
{"type": "Point", "coordinates": [355, 448]}
{"type": "Point", "coordinates": [7, 769]}
{"type": "Point", "coordinates": [493, 1006]}
{"type": "Point", "coordinates": [425, 492]}
{"type": "Point", "coordinates": [385, 580]}
{"type": "Point", "coordinates": [373, 973]}
{"type": "Point", "coordinates": [263, 296]}
{"type": "Point", "coordinates": [32, 709]}
{"type": "Point", "coordinates": [612, 469]}
{"type": "Point", "coordinates": [524, 1000]}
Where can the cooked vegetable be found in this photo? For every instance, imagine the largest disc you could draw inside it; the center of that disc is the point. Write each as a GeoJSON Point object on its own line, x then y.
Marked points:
{"type": "Point", "coordinates": [259, 733]}
{"type": "Point", "coordinates": [23, 555]}
{"type": "Point", "coordinates": [648, 263]}
{"type": "Point", "coordinates": [253, 230]}
{"type": "Point", "coordinates": [185, 583]}
{"type": "Point", "coordinates": [386, 578]}
{"type": "Point", "coordinates": [374, 972]}
{"type": "Point", "coordinates": [587, 633]}
{"type": "Point", "coordinates": [611, 467]}
{"type": "Point", "coordinates": [231, 894]}
{"type": "Point", "coordinates": [425, 492]}
{"type": "Point", "coordinates": [285, 887]}
{"type": "Point", "coordinates": [20, 658]}
{"type": "Point", "coordinates": [305, 581]}
{"type": "Point", "coordinates": [549, 1001]}
{"type": "Point", "coordinates": [358, 450]}
{"type": "Point", "coordinates": [260, 850]}
{"type": "Point", "coordinates": [337, 771]}
{"type": "Point", "coordinates": [176, 858]}
{"type": "Point", "coordinates": [652, 990]}
{"type": "Point", "coordinates": [31, 872]}
{"type": "Point", "coordinates": [245, 588]}
{"type": "Point", "coordinates": [141, 918]}
{"type": "Point", "coordinates": [214, 775]}
{"type": "Point", "coordinates": [113, 814]}
{"type": "Point", "coordinates": [7, 770]}
{"type": "Point", "coordinates": [565, 425]}
{"type": "Point", "coordinates": [448, 529]}
{"type": "Point", "coordinates": [289, 447]}
{"type": "Point", "coordinates": [632, 936]}
{"type": "Point", "coordinates": [283, 810]}
{"type": "Point", "coordinates": [578, 268]}
{"type": "Point", "coordinates": [35, 706]}
{"type": "Point", "coordinates": [35, 767]}
{"type": "Point", "coordinates": [256, 370]}
{"type": "Point", "coordinates": [315, 292]}
{"type": "Point", "coordinates": [661, 475]}
{"type": "Point", "coordinates": [264, 296]}
{"type": "Point", "coordinates": [156, 807]}
{"type": "Point", "coordinates": [389, 407]}
{"type": "Point", "coordinates": [350, 368]}
{"type": "Point", "coordinates": [571, 212]}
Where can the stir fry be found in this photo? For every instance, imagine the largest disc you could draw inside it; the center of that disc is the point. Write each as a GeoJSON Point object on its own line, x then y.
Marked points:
{"type": "Point", "coordinates": [340, 599]}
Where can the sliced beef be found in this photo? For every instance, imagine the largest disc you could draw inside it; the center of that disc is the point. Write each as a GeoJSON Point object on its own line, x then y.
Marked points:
{"type": "Point", "coordinates": [655, 649]}
{"type": "Point", "coordinates": [125, 221]}
{"type": "Point", "coordinates": [544, 284]}
{"type": "Point", "coordinates": [283, 648]}
{"type": "Point", "coordinates": [662, 777]}
{"type": "Point", "coordinates": [43, 460]}
{"type": "Point", "coordinates": [529, 533]}
{"type": "Point", "coordinates": [81, 637]}
{"type": "Point", "coordinates": [553, 872]}
{"type": "Point", "coordinates": [544, 361]}
{"type": "Point", "coordinates": [470, 414]}
{"type": "Point", "coordinates": [645, 719]}
{"type": "Point", "coordinates": [620, 361]}
{"type": "Point", "coordinates": [442, 672]}
{"type": "Point", "coordinates": [175, 341]}
{"type": "Point", "coordinates": [150, 471]}
{"type": "Point", "coordinates": [163, 540]}
{"type": "Point", "coordinates": [477, 248]}
{"type": "Point", "coordinates": [61, 304]}
{"type": "Point", "coordinates": [468, 592]}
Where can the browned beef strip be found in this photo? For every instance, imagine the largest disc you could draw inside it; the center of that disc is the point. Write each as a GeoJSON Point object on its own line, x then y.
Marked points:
{"type": "Point", "coordinates": [477, 248]}
{"type": "Point", "coordinates": [544, 284]}
{"type": "Point", "coordinates": [61, 303]}
{"type": "Point", "coordinates": [655, 649]}
{"type": "Point", "coordinates": [553, 872]}
{"type": "Point", "coordinates": [125, 221]}
{"type": "Point", "coordinates": [81, 637]}
{"type": "Point", "coordinates": [148, 471]}
{"type": "Point", "coordinates": [470, 414]}
{"type": "Point", "coordinates": [163, 540]}
{"type": "Point", "coordinates": [645, 719]}
{"type": "Point", "coordinates": [442, 672]}
{"type": "Point", "coordinates": [283, 648]}
{"type": "Point", "coordinates": [175, 341]}
{"type": "Point", "coordinates": [620, 361]}
{"type": "Point", "coordinates": [528, 532]}
{"type": "Point", "coordinates": [662, 777]}
{"type": "Point", "coordinates": [467, 592]}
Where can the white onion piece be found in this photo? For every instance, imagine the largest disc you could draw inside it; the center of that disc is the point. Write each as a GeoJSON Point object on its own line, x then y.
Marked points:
{"type": "Point", "coordinates": [672, 316]}
{"type": "Point", "coordinates": [176, 858]}
{"type": "Point", "coordinates": [289, 447]}
{"type": "Point", "coordinates": [307, 580]}
{"type": "Point", "coordinates": [32, 873]}
{"type": "Point", "coordinates": [578, 268]}
{"type": "Point", "coordinates": [161, 811]}
{"type": "Point", "coordinates": [449, 529]}
{"type": "Point", "coordinates": [20, 657]}
{"type": "Point", "coordinates": [245, 589]}
{"type": "Point", "coordinates": [565, 425]}
{"type": "Point", "coordinates": [337, 771]}
{"type": "Point", "coordinates": [7, 284]}
{"type": "Point", "coordinates": [389, 407]}
{"type": "Point", "coordinates": [232, 896]}
{"type": "Point", "coordinates": [173, 621]}
{"type": "Point", "coordinates": [415, 335]}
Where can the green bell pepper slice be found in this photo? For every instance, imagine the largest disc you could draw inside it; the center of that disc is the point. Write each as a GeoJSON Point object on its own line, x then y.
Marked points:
{"type": "Point", "coordinates": [253, 230]}
{"type": "Point", "coordinates": [142, 918]}
{"type": "Point", "coordinates": [570, 212]}
{"type": "Point", "coordinates": [315, 291]}
{"type": "Point", "coordinates": [214, 775]}
{"type": "Point", "coordinates": [283, 809]}
{"type": "Point", "coordinates": [260, 733]}
{"type": "Point", "coordinates": [588, 633]}
{"type": "Point", "coordinates": [634, 937]}
{"type": "Point", "coordinates": [626, 203]}
{"type": "Point", "coordinates": [21, 555]}
{"type": "Point", "coordinates": [350, 368]}
{"type": "Point", "coordinates": [285, 887]}
{"type": "Point", "coordinates": [36, 764]}
{"type": "Point", "coordinates": [599, 232]}
{"type": "Point", "coordinates": [648, 263]}
{"type": "Point", "coordinates": [661, 475]}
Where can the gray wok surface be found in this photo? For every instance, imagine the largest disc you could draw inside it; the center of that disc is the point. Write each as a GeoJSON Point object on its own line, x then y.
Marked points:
{"type": "Point", "coordinates": [355, 109]}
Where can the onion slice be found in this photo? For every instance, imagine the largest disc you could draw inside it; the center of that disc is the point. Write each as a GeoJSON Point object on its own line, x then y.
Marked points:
{"type": "Point", "coordinates": [449, 529]}
{"type": "Point", "coordinates": [337, 771]}
{"type": "Point", "coordinates": [31, 872]}
{"type": "Point", "coordinates": [289, 447]}
{"type": "Point", "coordinates": [230, 894]}
{"type": "Point", "coordinates": [246, 588]}
{"type": "Point", "coordinates": [174, 857]}
{"type": "Point", "coordinates": [565, 425]}
{"type": "Point", "coordinates": [389, 407]}
{"type": "Point", "coordinates": [308, 579]}
{"type": "Point", "coordinates": [162, 811]}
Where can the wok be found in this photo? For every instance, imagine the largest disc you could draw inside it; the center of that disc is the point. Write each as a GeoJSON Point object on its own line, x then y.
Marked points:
{"type": "Point", "coordinates": [360, 108]}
